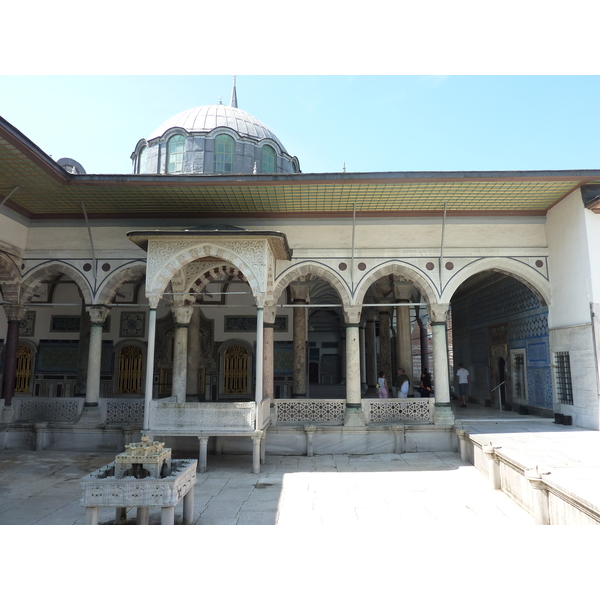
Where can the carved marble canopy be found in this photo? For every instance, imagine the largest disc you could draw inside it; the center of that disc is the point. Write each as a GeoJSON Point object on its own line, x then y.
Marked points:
{"type": "Point", "coordinates": [172, 252]}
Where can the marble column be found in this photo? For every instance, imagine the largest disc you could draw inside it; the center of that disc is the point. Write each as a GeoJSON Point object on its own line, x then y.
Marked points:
{"type": "Point", "coordinates": [193, 358]}
{"type": "Point", "coordinates": [150, 361]}
{"type": "Point", "coordinates": [85, 331]}
{"type": "Point", "coordinates": [97, 315]}
{"type": "Point", "coordinates": [299, 373]}
{"type": "Point", "coordinates": [15, 313]}
{"type": "Point", "coordinates": [299, 292]}
{"type": "Point", "coordinates": [442, 414]}
{"type": "Point", "coordinates": [269, 353]}
{"type": "Point", "coordinates": [402, 293]}
{"type": "Point", "coordinates": [385, 350]}
{"type": "Point", "coordinates": [363, 359]}
{"type": "Point", "coordinates": [371, 355]}
{"type": "Point", "coordinates": [424, 339]}
{"type": "Point", "coordinates": [182, 316]}
{"type": "Point", "coordinates": [354, 414]}
{"type": "Point", "coordinates": [343, 356]}
{"type": "Point", "coordinates": [260, 350]}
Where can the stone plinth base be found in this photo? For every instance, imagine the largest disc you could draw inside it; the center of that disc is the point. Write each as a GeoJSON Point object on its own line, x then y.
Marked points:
{"type": "Point", "coordinates": [354, 417]}
{"type": "Point", "coordinates": [443, 415]}
{"type": "Point", "coordinates": [7, 415]}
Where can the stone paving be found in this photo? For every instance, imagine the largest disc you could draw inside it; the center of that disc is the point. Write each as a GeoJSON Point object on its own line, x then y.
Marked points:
{"type": "Point", "coordinates": [42, 488]}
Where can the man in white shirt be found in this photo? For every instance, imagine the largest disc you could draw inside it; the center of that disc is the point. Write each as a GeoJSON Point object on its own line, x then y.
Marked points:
{"type": "Point", "coordinates": [463, 384]}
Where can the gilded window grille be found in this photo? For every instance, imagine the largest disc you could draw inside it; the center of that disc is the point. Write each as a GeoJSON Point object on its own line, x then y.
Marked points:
{"type": "Point", "coordinates": [130, 370]}
{"type": "Point", "coordinates": [23, 373]}
{"type": "Point", "coordinates": [235, 370]}
{"type": "Point", "coordinates": [165, 382]}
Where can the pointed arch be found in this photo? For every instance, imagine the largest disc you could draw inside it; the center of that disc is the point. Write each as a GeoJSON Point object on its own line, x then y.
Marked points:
{"type": "Point", "coordinates": [318, 270]}
{"type": "Point", "coordinates": [160, 280]}
{"type": "Point", "coordinates": [45, 272]}
{"type": "Point", "coordinates": [221, 272]}
{"type": "Point", "coordinates": [512, 267]}
{"type": "Point", "coordinates": [110, 286]}
{"type": "Point", "coordinates": [397, 267]}
{"type": "Point", "coordinates": [10, 278]}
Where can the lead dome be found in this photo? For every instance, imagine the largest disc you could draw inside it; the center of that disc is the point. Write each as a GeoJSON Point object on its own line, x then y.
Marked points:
{"type": "Point", "coordinates": [213, 139]}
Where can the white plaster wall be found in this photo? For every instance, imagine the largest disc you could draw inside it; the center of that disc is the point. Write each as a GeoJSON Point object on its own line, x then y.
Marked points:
{"type": "Point", "coordinates": [382, 233]}
{"type": "Point", "coordinates": [75, 237]}
{"type": "Point", "coordinates": [592, 223]}
{"type": "Point", "coordinates": [13, 232]}
{"type": "Point", "coordinates": [569, 263]}
{"type": "Point", "coordinates": [578, 342]}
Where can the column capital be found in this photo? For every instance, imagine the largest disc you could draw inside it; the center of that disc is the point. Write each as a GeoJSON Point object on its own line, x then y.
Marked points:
{"type": "Point", "coordinates": [15, 313]}
{"type": "Point", "coordinates": [352, 315]}
{"type": "Point", "coordinates": [299, 290]}
{"type": "Point", "coordinates": [438, 313]}
{"type": "Point", "coordinates": [402, 290]}
{"type": "Point", "coordinates": [269, 314]}
{"type": "Point", "coordinates": [97, 314]}
{"type": "Point", "coordinates": [153, 300]}
{"type": "Point", "coordinates": [182, 314]}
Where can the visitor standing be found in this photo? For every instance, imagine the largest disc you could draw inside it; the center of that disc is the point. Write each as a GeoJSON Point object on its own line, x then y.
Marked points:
{"type": "Point", "coordinates": [425, 384]}
{"type": "Point", "coordinates": [382, 385]}
{"type": "Point", "coordinates": [402, 384]}
{"type": "Point", "coordinates": [463, 384]}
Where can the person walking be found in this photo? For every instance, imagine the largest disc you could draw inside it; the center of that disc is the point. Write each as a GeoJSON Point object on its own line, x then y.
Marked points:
{"type": "Point", "coordinates": [402, 384]}
{"type": "Point", "coordinates": [463, 384]}
{"type": "Point", "coordinates": [382, 385]}
{"type": "Point", "coordinates": [425, 384]}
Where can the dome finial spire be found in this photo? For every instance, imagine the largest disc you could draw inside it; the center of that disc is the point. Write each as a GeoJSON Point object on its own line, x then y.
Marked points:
{"type": "Point", "coordinates": [234, 95]}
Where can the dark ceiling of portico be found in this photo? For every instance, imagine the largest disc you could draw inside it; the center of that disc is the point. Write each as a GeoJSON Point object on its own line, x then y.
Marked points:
{"type": "Point", "coordinates": [46, 191]}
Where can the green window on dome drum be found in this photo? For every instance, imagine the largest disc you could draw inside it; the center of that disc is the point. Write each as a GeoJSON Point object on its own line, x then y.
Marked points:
{"type": "Point", "coordinates": [224, 154]}
{"type": "Point", "coordinates": [175, 154]}
{"type": "Point", "coordinates": [268, 159]}
{"type": "Point", "coordinates": [143, 160]}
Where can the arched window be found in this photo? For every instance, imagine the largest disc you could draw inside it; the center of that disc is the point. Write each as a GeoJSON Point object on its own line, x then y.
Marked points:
{"type": "Point", "coordinates": [175, 154]}
{"type": "Point", "coordinates": [130, 370]}
{"type": "Point", "coordinates": [235, 370]}
{"type": "Point", "coordinates": [224, 154]}
{"type": "Point", "coordinates": [268, 159]}
{"type": "Point", "coordinates": [143, 160]}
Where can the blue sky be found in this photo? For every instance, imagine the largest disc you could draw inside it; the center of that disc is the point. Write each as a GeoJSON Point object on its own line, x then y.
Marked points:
{"type": "Point", "coordinates": [370, 123]}
{"type": "Point", "coordinates": [388, 86]}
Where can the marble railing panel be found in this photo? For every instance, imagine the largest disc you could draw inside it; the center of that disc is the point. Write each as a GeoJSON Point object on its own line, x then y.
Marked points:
{"type": "Point", "coordinates": [115, 410]}
{"type": "Point", "coordinates": [310, 411]}
{"type": "Point", "coordinates": [205, 416]}
{"type": "Point", "coordinates": [48, 409]}
{"type": "Point", "coordinates": [400, 411]}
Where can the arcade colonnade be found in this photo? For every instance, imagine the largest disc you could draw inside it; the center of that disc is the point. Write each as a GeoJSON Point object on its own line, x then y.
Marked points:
{"type": "Point", "coordinates": [185, 262]}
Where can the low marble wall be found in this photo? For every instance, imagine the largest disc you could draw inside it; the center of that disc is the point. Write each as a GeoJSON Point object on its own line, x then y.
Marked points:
{"type": "Point", "coordinates": [560, 504]}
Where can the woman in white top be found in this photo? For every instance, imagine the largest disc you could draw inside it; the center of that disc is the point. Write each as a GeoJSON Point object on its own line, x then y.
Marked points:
{"type": "Point", "coordinates": [383, 391]}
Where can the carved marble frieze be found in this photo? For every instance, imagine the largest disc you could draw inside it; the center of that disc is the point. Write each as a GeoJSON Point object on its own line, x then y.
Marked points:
{"type": "Point", "coordinates": [173, 260]}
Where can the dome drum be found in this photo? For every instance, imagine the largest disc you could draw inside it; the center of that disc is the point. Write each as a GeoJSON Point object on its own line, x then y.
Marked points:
{"type": "Point", "coordinates": [212, 140]}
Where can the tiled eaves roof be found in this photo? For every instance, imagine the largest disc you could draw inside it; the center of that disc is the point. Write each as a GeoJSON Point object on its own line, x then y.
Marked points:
{"type": "Point", "coordinates": [47, 191]}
